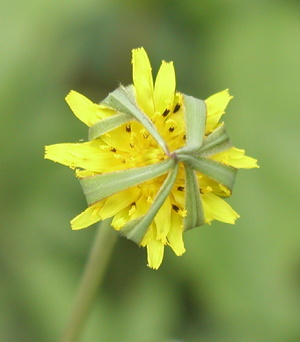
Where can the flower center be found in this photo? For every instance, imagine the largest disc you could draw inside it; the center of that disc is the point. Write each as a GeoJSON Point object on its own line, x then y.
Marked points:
{"type": "Point", "coordinates": [150, 156]}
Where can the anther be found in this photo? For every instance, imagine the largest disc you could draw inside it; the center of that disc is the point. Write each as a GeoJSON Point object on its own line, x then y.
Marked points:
{"type": "Point", "coordinates": [128, 128]}
{"type": "Point", "coordinates": [176, 108]}
{"type": "Point", "coordinates": [166, 112]}
{"type": "Point", "coordinates": [174, 207]}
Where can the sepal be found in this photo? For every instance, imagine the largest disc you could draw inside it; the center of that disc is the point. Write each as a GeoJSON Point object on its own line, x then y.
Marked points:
{"type": "Point", "coordinates": [108, 124]}
{"type": "Point", "coordinates": [195, 118]}
{"type": "Point", "coordinates": [216, 142]}
{"type": "Point", "coordinates": [193, 203]}
{"type": "Point", "coordinates": [123, 101]}
{"type": "Point", "coordinates": [219, 172]}
{"type": "Point", "coordinates": [135, 230]}
{"type": "Point", "coordinates": [97, 187]}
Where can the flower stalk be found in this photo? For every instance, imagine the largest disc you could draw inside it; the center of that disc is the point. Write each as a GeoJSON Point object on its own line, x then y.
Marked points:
{"type": "Point", "coordinates": [92, 277]}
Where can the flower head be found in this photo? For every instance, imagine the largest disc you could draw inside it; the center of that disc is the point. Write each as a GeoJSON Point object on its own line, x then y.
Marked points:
{"type": "Point", "coordinates": [157, 162]}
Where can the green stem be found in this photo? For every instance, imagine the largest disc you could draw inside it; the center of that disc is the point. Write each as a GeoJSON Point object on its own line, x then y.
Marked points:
{"type": "Point", "coordinates": [91, 279]}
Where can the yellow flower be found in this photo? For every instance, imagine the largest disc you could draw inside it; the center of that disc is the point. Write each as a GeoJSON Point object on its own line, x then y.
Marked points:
{"type": "Point", "coordinates": [157, 162]}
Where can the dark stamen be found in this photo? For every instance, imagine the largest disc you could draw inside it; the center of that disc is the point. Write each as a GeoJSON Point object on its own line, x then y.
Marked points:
{"type": "Point", "coordinates": [184, 137]}
{"type": "Point", "coordinates": [113, 149]}
{"type": "Point", "coordinates": [176, 108]}
{"type": "Point", "coordinates": [128, 128]}
{"type": "Point", "coordinates": [171, 129]}
{"type": "Point", "coordinates": [166, 112]}
{"type": "Point", "coordinates": [175, 208]}
{"type": "Point", "coordinates": [180, 188]}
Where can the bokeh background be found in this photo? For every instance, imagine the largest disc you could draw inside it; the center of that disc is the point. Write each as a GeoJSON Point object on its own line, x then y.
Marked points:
{"type": "Point", "coordinates": [235, 283]}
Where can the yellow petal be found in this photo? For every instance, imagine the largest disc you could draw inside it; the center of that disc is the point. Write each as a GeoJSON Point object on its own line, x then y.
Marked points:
{"type": "Point", "coordinates": [216, 105]}
{"type": "Point", "coordinates": [84, 173]}
{"type": "Point", "coordinates": [164, 89]}
{"type": "Point", "coordinates": [217, 209]}
{"type": "Point", "coordinates": [88, 217]}
{"type": "Point", "coordinates": [235, 157]}
{"type": "Point", "coordinates": [121, 218]}
{"type": "Point", "coordinates": [155, 253]}
{"type": "Point", "coordinates": [85, 110]}
{"type": "Point", "coordinates": [119, 201]}
{"type": "Point", "coordinates": [209, 185]}
{"type": "Point", "coordinates": [142, 79]}
{"type": "Point", "coordinates": [179, 196]}
{"type": "Point", "coordinates": [175, 239]}
{"type": "Point", "coordinates": [141, 208]}
{"type": "Point", "coordinates": [122, 137]}
{"type": "Point", "coordinates": [163, 221]}
{"type": "Point", "coordinates": [87, 155]}
{"type": "Point", "coordinates": [149, 236]}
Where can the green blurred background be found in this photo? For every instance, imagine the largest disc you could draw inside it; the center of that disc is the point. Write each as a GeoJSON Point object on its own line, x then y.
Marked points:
{"type": "Point", "coordinates": [235, 283]}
